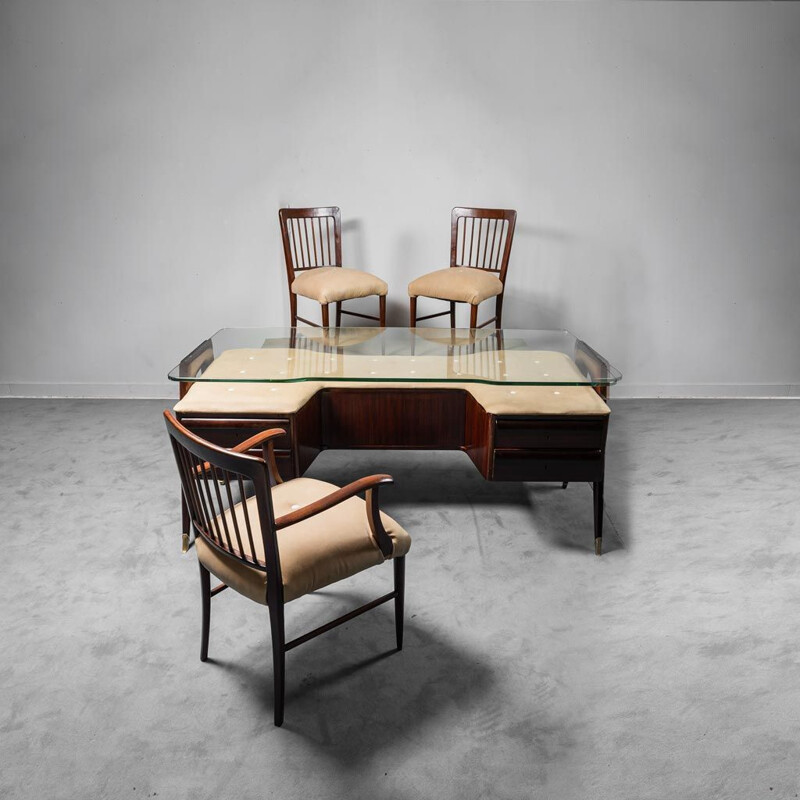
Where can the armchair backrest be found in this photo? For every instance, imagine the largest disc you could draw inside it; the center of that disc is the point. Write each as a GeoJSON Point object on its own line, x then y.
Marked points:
{"type": "Point", "coordinates": [214, 483]}
{"type": "Point", "coordinates": [312, 237]}
{"type": "Point", "coordinates": [481, 238]}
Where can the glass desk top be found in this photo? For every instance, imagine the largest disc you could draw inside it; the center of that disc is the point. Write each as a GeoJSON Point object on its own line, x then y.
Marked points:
{"type": "Point", "coordinates": [414, 355]}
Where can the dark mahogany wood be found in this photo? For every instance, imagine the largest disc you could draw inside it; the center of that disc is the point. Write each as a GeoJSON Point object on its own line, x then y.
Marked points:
{"type": "Point", "coordinates": [195, 363]}
{"type": "Point", "coordinates": [528, 447]}
{"type": "Point", "coordinates": [559, 432]}
{"type": "Point", "coordinates": [312, 238]}
{"type": "Point", "coordinates": [478, 435]}
{"type": "Point", "coordinates": [480, 238]}
{"type": "Point", "coordinates": [226, 431]}
{"type": "Point", "coordinates": [592, 364]}
{"type": "Point", "coordinates": [393, 418]}
{"type": "Point", "coordinates": [546, 465]}
{"type": "Point", "coordinates": [307, 434]}
{"type": "Point", "coordinates": [597, 491]}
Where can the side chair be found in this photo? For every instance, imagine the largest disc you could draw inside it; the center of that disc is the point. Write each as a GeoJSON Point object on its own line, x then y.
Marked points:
{"type": "Point", "coordinates": [312, 247]}
{"type": "Point", "coordinates": [480, 246]}
{"type": "Point", "coordinates": [281, 539]}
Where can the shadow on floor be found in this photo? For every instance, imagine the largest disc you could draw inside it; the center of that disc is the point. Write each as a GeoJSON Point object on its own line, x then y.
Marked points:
{"type": "Point", "coordinates": [562, 517]}
{"type": "Point", "coordinates": [353, 699]}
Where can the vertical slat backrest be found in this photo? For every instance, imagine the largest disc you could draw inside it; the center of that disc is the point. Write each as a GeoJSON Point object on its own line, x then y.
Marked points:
{"type": "Point", "coordinates": [481, 238]}
{"type": "Point", "coordinates": [214, 486]}
{"type": "Point", "coordinates": [312, 237]}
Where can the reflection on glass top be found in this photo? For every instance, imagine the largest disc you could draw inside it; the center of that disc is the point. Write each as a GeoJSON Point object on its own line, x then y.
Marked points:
{"type": "Point", "coordinates": [372, 355]}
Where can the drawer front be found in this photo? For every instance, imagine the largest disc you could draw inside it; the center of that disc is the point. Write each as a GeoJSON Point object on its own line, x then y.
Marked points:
{"type": "Point", "coordinates": [548, 465]}
{"type": "Point", "coordinates": [230, 432]}
{"type": "Point", "coordinates": [557, 433]}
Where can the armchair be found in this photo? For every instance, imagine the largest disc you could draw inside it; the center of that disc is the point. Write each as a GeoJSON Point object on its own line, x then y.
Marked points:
{"type": "Point", "coordinates": [286, 539]}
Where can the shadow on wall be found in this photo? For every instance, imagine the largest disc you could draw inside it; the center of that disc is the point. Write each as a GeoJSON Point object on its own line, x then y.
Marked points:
{"type": "Point", "coordinates": [558, 279]}
{"type": "Point", "coordinates": [526, 303]}
{"type": "Point", "coordinates": [354, 255]}
{"type": "Point", "coordinates": [409, 258]}
{"type": "Point", "coordinates": [599, 293]}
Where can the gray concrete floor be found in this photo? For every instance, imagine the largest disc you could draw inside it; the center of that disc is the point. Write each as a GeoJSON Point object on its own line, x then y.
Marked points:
{"type": "Point", "coordinates": [668, 668]}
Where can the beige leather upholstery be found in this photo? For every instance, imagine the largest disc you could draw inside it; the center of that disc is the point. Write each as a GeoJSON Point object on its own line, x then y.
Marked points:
{"type": "Point", "coordinates": [288, 398]}
{"type": "Point", "coordinates": [316, 552]}
{"type": "Point", "coordinates": [333, 284]}
{"type": "Point", "coordinates": [462, 284]}
{"type": "Point", "coordinates": [247, 398]}
{"type": "Point", "coordinates": [549, 400]}
{"type": "Point", "coordinates": [258, 364]}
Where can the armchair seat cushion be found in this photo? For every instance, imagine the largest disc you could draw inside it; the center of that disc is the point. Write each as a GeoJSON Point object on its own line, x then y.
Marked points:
{"type": "Point", "coordinates": [334, 284]}
{"type": "Point", "coordinates": [462, 284]}
{"type": "Point", "coordinates": [315, 552]}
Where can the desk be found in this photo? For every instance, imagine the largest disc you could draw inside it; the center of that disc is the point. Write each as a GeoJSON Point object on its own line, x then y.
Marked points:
{"type": "Point", "coordinates": [523, 405]}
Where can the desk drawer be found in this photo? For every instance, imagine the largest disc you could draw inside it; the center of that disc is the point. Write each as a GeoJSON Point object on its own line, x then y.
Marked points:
{"type": "Point", "coordinates": [230, 432]}
{"type": "Point", "coordinates": [544, 433]}
{"type": "Point", "coordinates": [548, 465]}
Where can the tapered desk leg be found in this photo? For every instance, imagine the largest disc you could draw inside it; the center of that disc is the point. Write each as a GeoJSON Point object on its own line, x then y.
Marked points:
{"type": "Point", "coordinates": [597, 489]}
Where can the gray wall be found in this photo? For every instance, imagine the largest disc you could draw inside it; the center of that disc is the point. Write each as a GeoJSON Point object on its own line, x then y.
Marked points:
{"type": "Point", "coordinates": [651, 150]}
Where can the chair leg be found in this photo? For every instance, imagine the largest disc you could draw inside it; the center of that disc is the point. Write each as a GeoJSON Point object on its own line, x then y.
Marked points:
{"type": "Point", "coordinates": [498, 311]}
{"type": "Point", "coordinates": [473, 316]}
{"type": "Point", "coordinates": [185, 524]}
{"type": "Point", "coordinates": [339, 314]}
{"type": "Point", "coordinates": [325, 316]}
{"type": "Point", "coordinates": [597, 491]}
{"type": "Point", "coordinates": [205, 594]}
{"type": "Point", "coordinates": [293, 309]}
{"type": "Point", "coordinates": [278, 660]}
{"type": "Point", "coordinates": [399, 597]}
{"type": "Point", "coordinates": [382, 310]}
{"type": "Point", "coordinates": [452, 314]}
{"type": "Point", "coordinates": [412, 315]}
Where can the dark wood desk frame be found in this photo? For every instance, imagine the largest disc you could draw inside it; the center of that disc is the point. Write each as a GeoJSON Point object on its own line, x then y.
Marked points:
{"type": "Point", "coordinates": [504, 447]}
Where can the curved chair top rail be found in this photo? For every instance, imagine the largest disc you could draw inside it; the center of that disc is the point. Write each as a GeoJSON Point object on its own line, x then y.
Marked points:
{"type": "Point", "coordinates": [312, 237]}
{"type": "Point", "coordinates": [481, 238]}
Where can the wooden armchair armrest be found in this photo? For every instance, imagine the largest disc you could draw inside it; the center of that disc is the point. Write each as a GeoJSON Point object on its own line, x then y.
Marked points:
{"type": "Point", "coordinates": [369, 485]}
{"type": "Point", "coordinates": [264, 438]}
{"type": "Point", "coordinates": [272, 433]}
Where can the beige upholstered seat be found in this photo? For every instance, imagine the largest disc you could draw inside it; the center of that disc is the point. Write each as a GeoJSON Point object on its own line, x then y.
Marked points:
{"type": "Point", "coordinates": [280, 543]}
{"type": "Point", "coordinates": [335, 284]}
{"type": "Point", "coordinates": [315, 552]}
{"type": "Point", "coordinates": [461, 284]}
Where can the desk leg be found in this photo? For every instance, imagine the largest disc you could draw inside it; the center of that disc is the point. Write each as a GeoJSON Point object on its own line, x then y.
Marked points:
{"type": "Point", "coordinates": [597, 491]}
